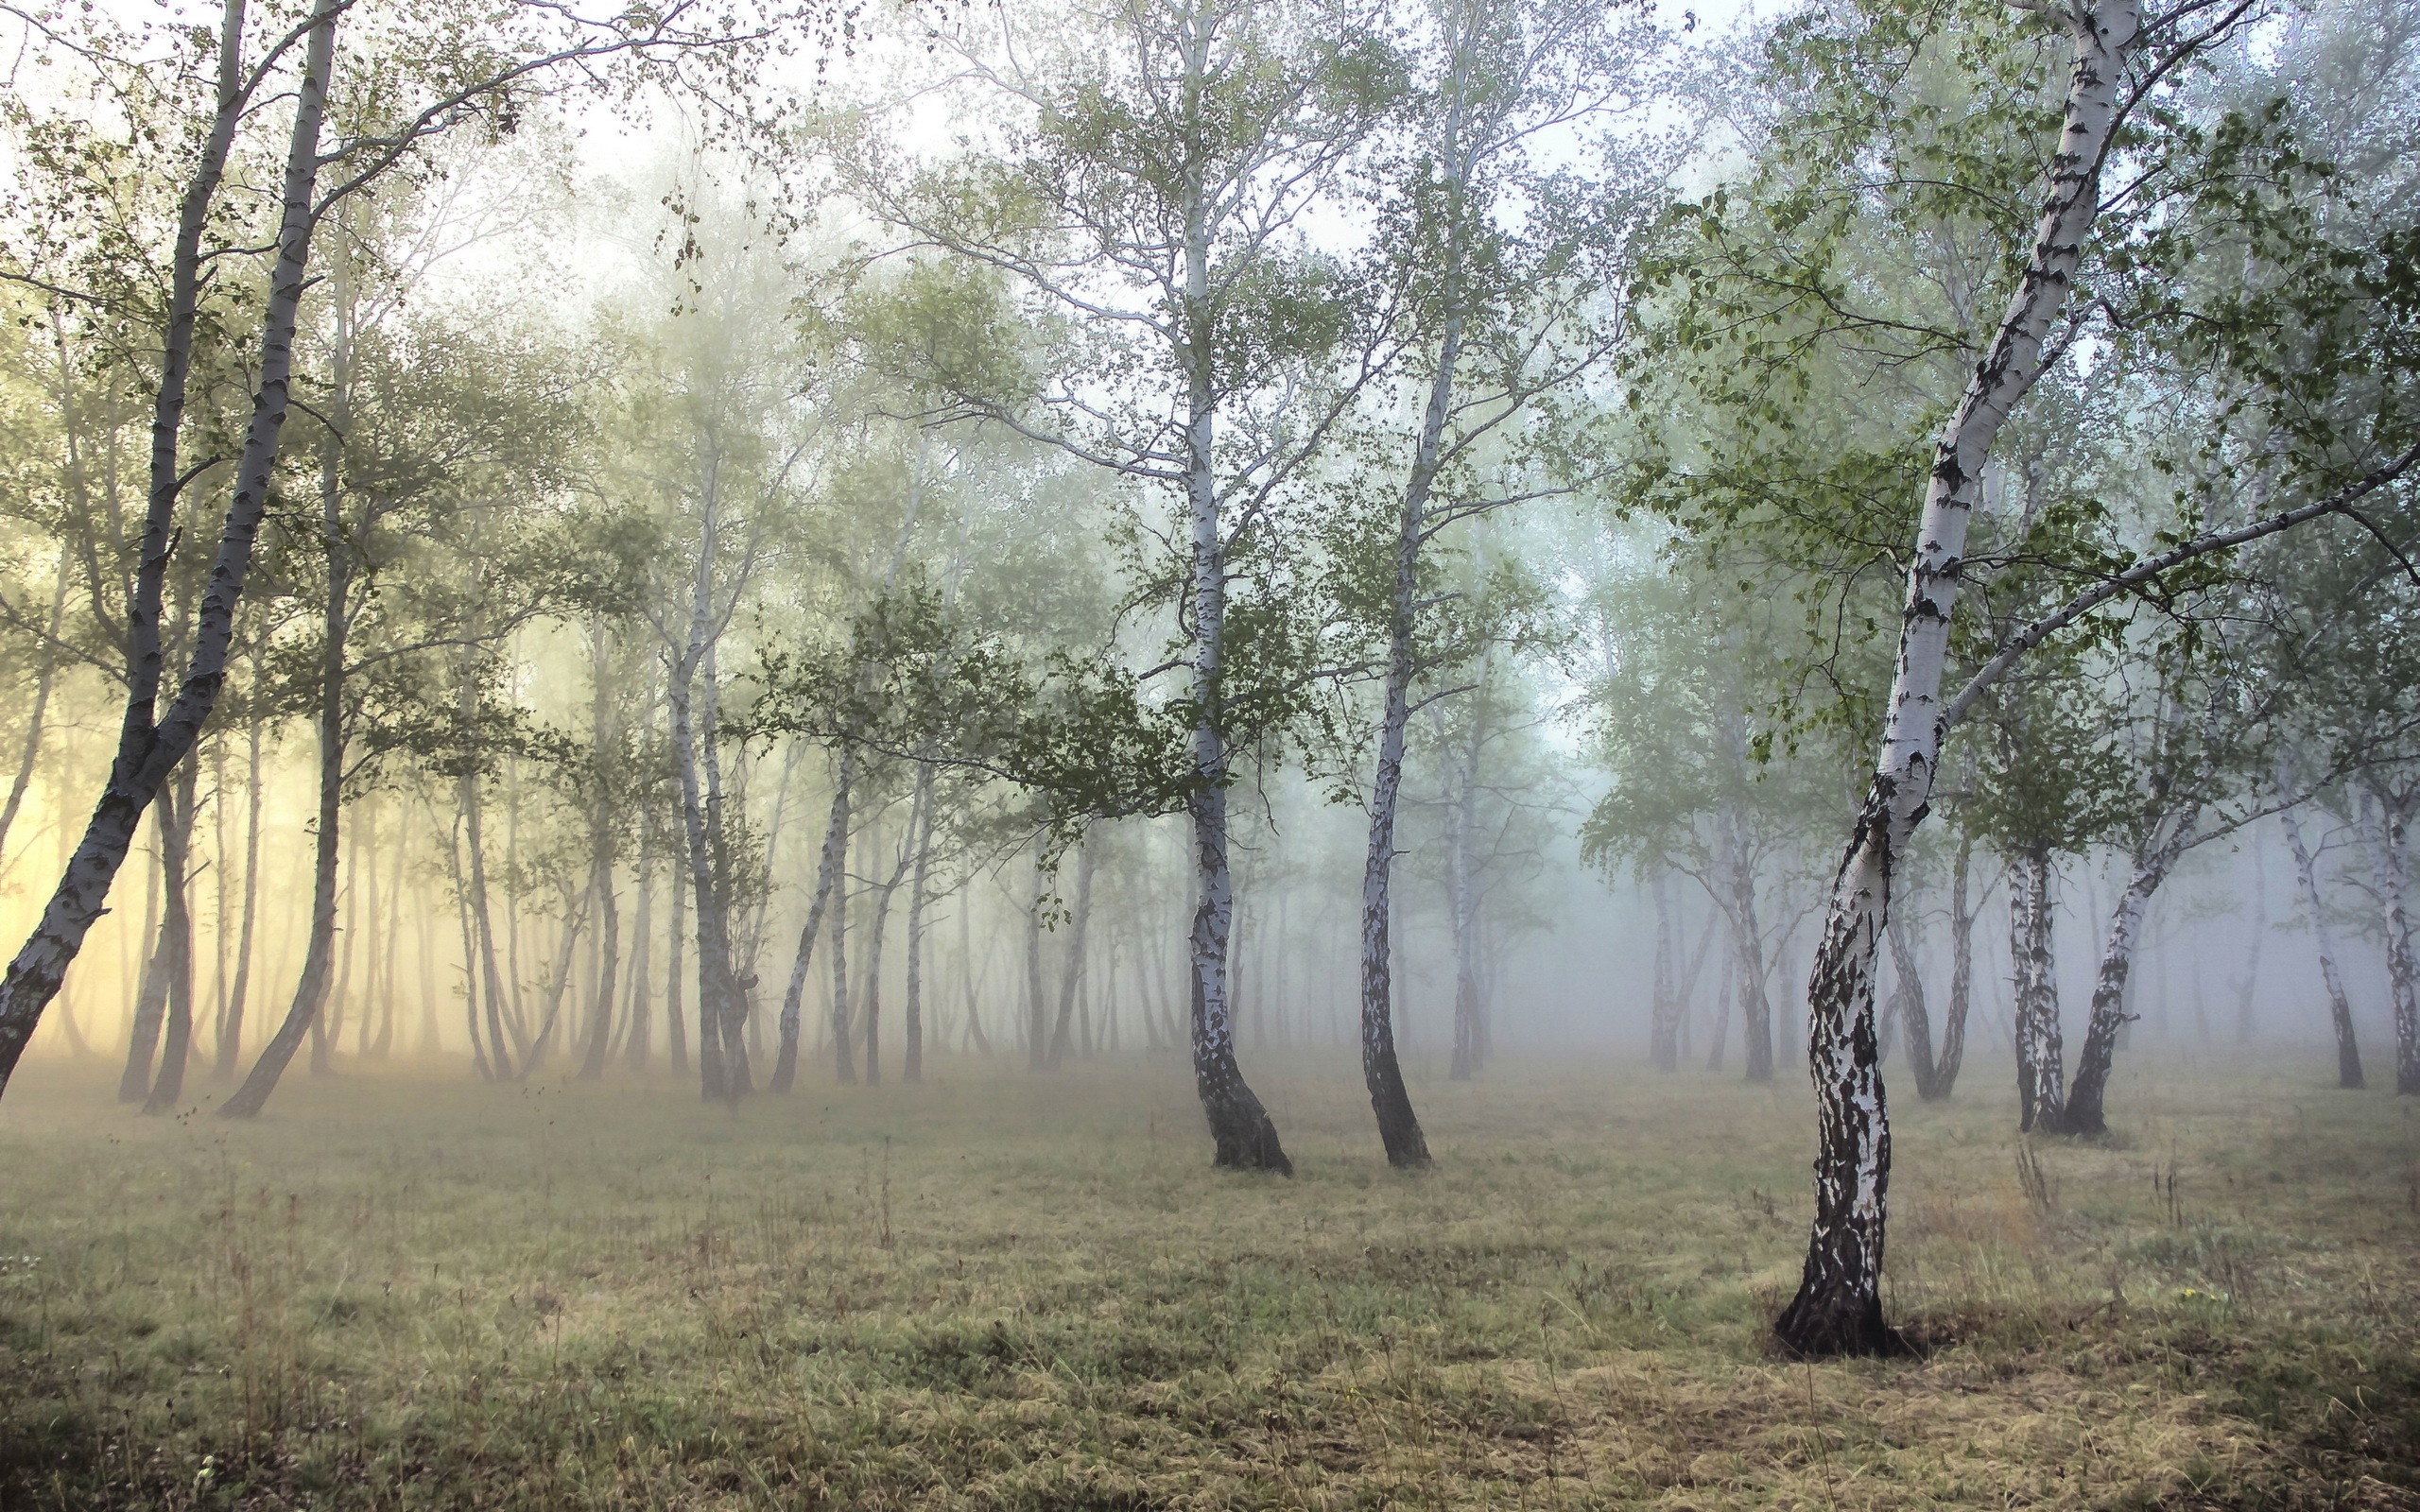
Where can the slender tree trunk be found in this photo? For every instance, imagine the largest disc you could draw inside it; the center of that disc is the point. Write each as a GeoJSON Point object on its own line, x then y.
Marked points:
{"type": "Point", "coordinates": [1037, 1025]}
{"type": "Point", "coordinates": [1072, 976]}
{"type": "Point", "coordinates": [393, 939]}
{"type": "Point", "coordinates": [231, 1029]}
{"type": "Point", "coordinates": [883, 896]}
{"type": "Point", "coordinates": [2391, 869]}
{"type": "Point", "coordinates": [1747, 939]}
{"type": "Point", "coordinates": [676, 981]}
{"type": "Point", "coordinates": [844, 1055]}
{"type": "Point", "coordinates": [604, 833]}
{"type": "Point", "coordinates": [558, 987]}
{"type": "Point", "coordinates": [1399, 1130]}
{"type": "Point", "coordinates": [470, 941]}
{"type": "Point", "coordinates": [921, 833]}
{"type": "Point", "coordinates": [635, 1045]}
{"type": "Point", "coordinates": [176, 940]}
{"type": "Point", "coordinates": [328, 1024]}
{"type": "Point", "coordinates": [2339, 1005]}
{"type": "Point", "coordinates": [2247, 995]}
{"type": "Point", "coordinates": [151, 1000]}
{"type": "Point", "coordinates": [1461, 907]}
{"type": "Point", "coordinates": [1952, 1053]}
{"type": "Point", "coordinates": [2083, 1112]}
{"type": "Point", "coordinates": [711, 930]}
{"type": "Point", "coordinates": [1664, 1018]}
{"type": "Point", "coordinates": [830, 862]}
{"type": "Point", "coordinates": [1915, 1018]}
{"type": "Point", "coordinates": [149, 750]}
{"type": "Point", "coordinates": [2041, 1051]}
{"type": "Point", "coordinates": [490, 974]}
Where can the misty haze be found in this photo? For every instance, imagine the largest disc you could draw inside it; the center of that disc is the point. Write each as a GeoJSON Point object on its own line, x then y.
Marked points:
{"type": "Point", "coordinates": [1295, 754]}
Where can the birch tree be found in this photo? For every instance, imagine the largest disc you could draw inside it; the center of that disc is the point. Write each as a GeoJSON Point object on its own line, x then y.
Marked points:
{"type": "Point", "coordinates": [1155, 183]}
{"type": "Point", "coordinates": [434, 78]}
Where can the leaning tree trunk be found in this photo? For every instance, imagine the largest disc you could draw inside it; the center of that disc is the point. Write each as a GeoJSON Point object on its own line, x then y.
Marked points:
{"type": "Point", "coordinates": [1838, 1308]}
{"type": "Point", "coordinates": [1399, 1129]}
{"type": "Point", "coordinates": [2083, 1111]}
{"type": "Point", "coordinates": [827, 879]}
{"type": "Point", "coordinates": [2339, 1005]}
{"type": "Point", "coordinates": [149, 750]}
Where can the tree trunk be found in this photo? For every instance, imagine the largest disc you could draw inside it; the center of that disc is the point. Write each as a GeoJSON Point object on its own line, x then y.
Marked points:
{"type": "Point", "coordinates": [1037, 1027]}
{"type": "Point", "coordinates": [921, 833]}
{"type": "Point", "coordinates": [602, 830]}
{"type": "Point", "coordinates": [1664, 1018]}
{"type": "Point", "coordinates": [635, 1045]}
{"type": "Point", "coordinates": [2247, 994]}
{"type": "Point", "coordinates": [2392, 870]}
{"type": "Point", "coordinates": [386, 1038]}
{"type": "Point", "coordinates": [2340, 1006]}
{"type": "Point", "coordinates": [329, 1023]}
{"type": "Point", "coordinates": [675, 940]}
{"type": "Point", "coordinates": [1952, 1053]}
{"type": "Point", "coordinates": [2041, 1051]}
{"type": "Point", "coordinates": [1915, 1018]}
{"type": "Point", "coordinates": [1838, 1308]}
{"type": "Point", "coordinates": [176, 940]}
{"type": "Point", "coordinates": [231, 1028]}
{"type": "Point", "coordinates": [1746, 938]}
{"type": "Point", "coordinates": [1072, 975]}
{"type": "Point", "coordinates": [883, 896]}
{"type": "Point", "coordinates": [151, 1000]}
{"type": "Point", "coordinates": [1462, 905]}
{"type": "Point", "coordinates": [2083, 1111]}
{"type": "Point", "coordinates": [827, 878]}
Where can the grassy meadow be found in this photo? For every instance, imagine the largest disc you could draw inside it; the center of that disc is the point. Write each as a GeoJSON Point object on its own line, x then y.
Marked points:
{"type": "Point", "coordinates": [998, 1291]}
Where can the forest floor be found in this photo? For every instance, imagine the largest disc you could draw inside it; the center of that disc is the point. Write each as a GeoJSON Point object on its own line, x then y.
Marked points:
{"type": "Point", "coordinates": [1000, 1291]}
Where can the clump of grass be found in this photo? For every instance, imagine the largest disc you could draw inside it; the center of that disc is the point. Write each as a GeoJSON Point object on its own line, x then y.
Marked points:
{"type": "Point", "coordinates": [1004, 1292]}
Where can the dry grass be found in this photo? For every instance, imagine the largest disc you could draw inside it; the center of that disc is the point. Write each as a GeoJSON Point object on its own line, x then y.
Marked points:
{"type": "Point", "coordinates": [998, 1291]}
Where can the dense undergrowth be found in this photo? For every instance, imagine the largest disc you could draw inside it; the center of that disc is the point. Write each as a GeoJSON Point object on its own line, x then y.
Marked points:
{"type": "Point", "coordinates": [1002, 1292]}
